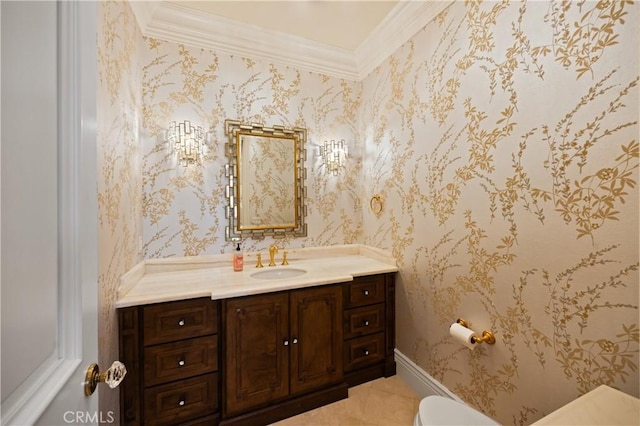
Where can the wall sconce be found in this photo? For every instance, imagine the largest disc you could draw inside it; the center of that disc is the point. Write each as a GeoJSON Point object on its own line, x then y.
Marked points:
{"type": "Point", "coordinates": [187, 141]}
{"type": "Point", "coordinates": [334, 155]}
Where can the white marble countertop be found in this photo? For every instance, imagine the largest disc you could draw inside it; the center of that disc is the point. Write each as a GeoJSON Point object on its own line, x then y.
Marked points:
{"type": "Point", "coordinates": [602, 406]}
{"type": "Point", "coordinates": [164, 280]}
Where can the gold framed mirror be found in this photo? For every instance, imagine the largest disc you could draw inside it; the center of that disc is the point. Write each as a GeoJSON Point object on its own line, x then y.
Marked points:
{"type": "Point", "coordinates": [266, 193]}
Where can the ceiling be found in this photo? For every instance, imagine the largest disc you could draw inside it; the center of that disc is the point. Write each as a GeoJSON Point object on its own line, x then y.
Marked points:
{"type": "Point", "coordinates": [340, 38]}
{"type": "Point", "coordinates": [342, 24]}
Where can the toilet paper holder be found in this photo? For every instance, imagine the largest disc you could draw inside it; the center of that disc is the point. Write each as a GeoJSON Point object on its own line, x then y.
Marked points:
{"type": "Point", "coordinates": [487, 336]}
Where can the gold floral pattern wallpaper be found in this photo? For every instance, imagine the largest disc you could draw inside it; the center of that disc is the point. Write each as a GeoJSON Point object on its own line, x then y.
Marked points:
{"type": "Point", "coordinates": [184, 207]}
{"type": "Point", "coordinates": [119, 107]}
{"type": "Point", "coordinates": [502, 140]}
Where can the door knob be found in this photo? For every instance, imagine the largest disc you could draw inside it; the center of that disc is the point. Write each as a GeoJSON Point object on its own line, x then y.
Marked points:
{"type": "Point", "coordinates": [112, 377]}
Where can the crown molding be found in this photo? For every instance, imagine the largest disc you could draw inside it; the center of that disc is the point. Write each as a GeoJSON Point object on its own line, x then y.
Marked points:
{"type": "Point", "coordinates": [143, 11]}
{"type": "Point", "coordinates": [402, 23]}
{"type": "Point", "coordinates": [176, 23]}
{"type": "Point", "coordinates": [173, 22]}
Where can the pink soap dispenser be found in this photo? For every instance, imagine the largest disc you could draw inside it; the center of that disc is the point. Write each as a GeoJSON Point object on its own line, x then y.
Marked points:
{"type": "Point", "coordinates": [238, 259]}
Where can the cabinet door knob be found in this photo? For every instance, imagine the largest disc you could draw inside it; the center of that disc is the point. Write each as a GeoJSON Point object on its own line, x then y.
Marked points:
{"type": "Point", "coordinates": [286, 343]}
{"type": "Point", "coordinates": [366, 323]}
{"type": "Point", "coordinates": [181, 363]}
{"type": "Point", "coordinates": [181, 323]}
{"type": "Point", "coordinates": [366, 292]}
{"type": "Point", "coordinates": [181, 403]}
{"type": "Point", "coordinates": [295, 340]}
{"type": "Point", "coordinates": [366, 352]}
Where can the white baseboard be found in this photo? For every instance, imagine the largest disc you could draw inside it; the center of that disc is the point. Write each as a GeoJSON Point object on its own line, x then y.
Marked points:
{"type": "Point", "coordinates": [419, 380]}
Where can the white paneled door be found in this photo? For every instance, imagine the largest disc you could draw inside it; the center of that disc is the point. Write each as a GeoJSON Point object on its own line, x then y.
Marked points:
{"type": "Point", "coordinates": [49, 212]}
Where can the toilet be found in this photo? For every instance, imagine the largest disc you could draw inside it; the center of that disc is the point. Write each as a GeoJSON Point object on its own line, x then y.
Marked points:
{"type": "Point", "coordinates": [439, 410]}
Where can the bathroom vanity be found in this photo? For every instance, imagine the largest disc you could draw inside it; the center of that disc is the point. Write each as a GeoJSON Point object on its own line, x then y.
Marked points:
{"type": "Point", "coordinates": [205, 345]}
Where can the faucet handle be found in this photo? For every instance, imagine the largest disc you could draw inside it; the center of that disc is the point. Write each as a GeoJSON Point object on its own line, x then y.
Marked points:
{"type": "Point", "coordinates": [284, 258]}
{"type": "Point", "coordinates": [259, 264]}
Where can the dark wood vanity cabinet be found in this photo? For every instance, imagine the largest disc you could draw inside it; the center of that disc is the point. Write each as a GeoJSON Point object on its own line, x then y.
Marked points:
{"type": "Point", "coordinates": [279, 347]}
{"type": "Point", "coordinates": [171, 351]}
{"type": "Point", "coordinates": [257, 352]}
{"type": "Point", "coordinates": [369, 328]}
{"type": "Point", "coordinates": [257, 359]}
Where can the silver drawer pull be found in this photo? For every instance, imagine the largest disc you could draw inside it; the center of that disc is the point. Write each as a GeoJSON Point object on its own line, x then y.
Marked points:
{"type": "Point", "coordinates": [181, 363]}
{"type": "Point", "coordinates": [366, 323]}
{"type": "Point", "coordinates": [366, 352]}
{"type": "Point", "coordinates": [181, 323]}
{"type": "Point", "coordinates": [181, 403]}
{"type": "Point", "coordinates": [366, 292]}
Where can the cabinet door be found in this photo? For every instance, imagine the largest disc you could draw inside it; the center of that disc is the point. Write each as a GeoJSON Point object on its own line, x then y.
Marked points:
{"type": "Point", "coordinates": [316, 337]}
{"type": "Point", "coordinates": [256, 351]}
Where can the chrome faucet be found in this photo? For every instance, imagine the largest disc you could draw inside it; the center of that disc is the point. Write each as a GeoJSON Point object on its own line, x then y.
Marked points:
{"type": "Point", "coordinates": [273, 249]}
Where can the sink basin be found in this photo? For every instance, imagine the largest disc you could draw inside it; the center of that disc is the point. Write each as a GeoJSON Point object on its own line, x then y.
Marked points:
{"type": "Point", "coordinates": [274, 274]}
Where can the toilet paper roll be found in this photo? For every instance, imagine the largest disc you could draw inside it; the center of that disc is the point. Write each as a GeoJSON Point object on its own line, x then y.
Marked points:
{"type": "Point", "coordinates": [462, 335]}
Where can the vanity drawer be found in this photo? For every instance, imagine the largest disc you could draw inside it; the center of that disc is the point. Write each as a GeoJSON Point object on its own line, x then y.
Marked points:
{"type": "Point", "coordinates": [363, 351]}
{"type": "Point", "coordinates": [364, 291]}
{"type": "Point", "coordinates": [178, 360]}
{"type": "Point", "coordinates": [178, 402]}
{"type": "Point", "coordinates": [365, 320]}
{"type": "Point", "coordinates": [167, 322]}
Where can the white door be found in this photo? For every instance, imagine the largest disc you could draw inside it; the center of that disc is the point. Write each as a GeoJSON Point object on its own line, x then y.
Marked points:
{"type": "Point", "coordinates": [49, 212]}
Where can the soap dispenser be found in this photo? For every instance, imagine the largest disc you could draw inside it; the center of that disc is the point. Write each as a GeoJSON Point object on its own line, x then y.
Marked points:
{"type": "Point", "coordinates": [238, 259]}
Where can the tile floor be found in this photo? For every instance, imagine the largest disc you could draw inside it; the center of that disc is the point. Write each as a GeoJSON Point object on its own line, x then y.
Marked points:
{"type": "Point", "coordinates": [382, 402]}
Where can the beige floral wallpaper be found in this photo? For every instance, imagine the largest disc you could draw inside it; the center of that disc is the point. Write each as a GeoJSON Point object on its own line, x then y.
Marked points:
{"type": "Point", "coordinates": [184, 208]}
{"type": "Point", "coordinates": [119, 172]}
{"type": "Point", "coordinates": [504, 138]}
{"type": "Point", "coordinates": [503, 142]}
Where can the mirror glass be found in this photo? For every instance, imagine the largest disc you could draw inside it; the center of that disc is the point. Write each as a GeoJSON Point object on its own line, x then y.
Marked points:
{"type": "Point", "coordinates": [266, 175]}
{"type": "Point", "coordinates": [266, 181]}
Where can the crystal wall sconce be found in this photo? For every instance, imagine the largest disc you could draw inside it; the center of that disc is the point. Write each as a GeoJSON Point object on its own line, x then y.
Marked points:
{"type": "Point", "coordinates": [334, 155]}
{"type": "Point", "coordinates": [188, 141]}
